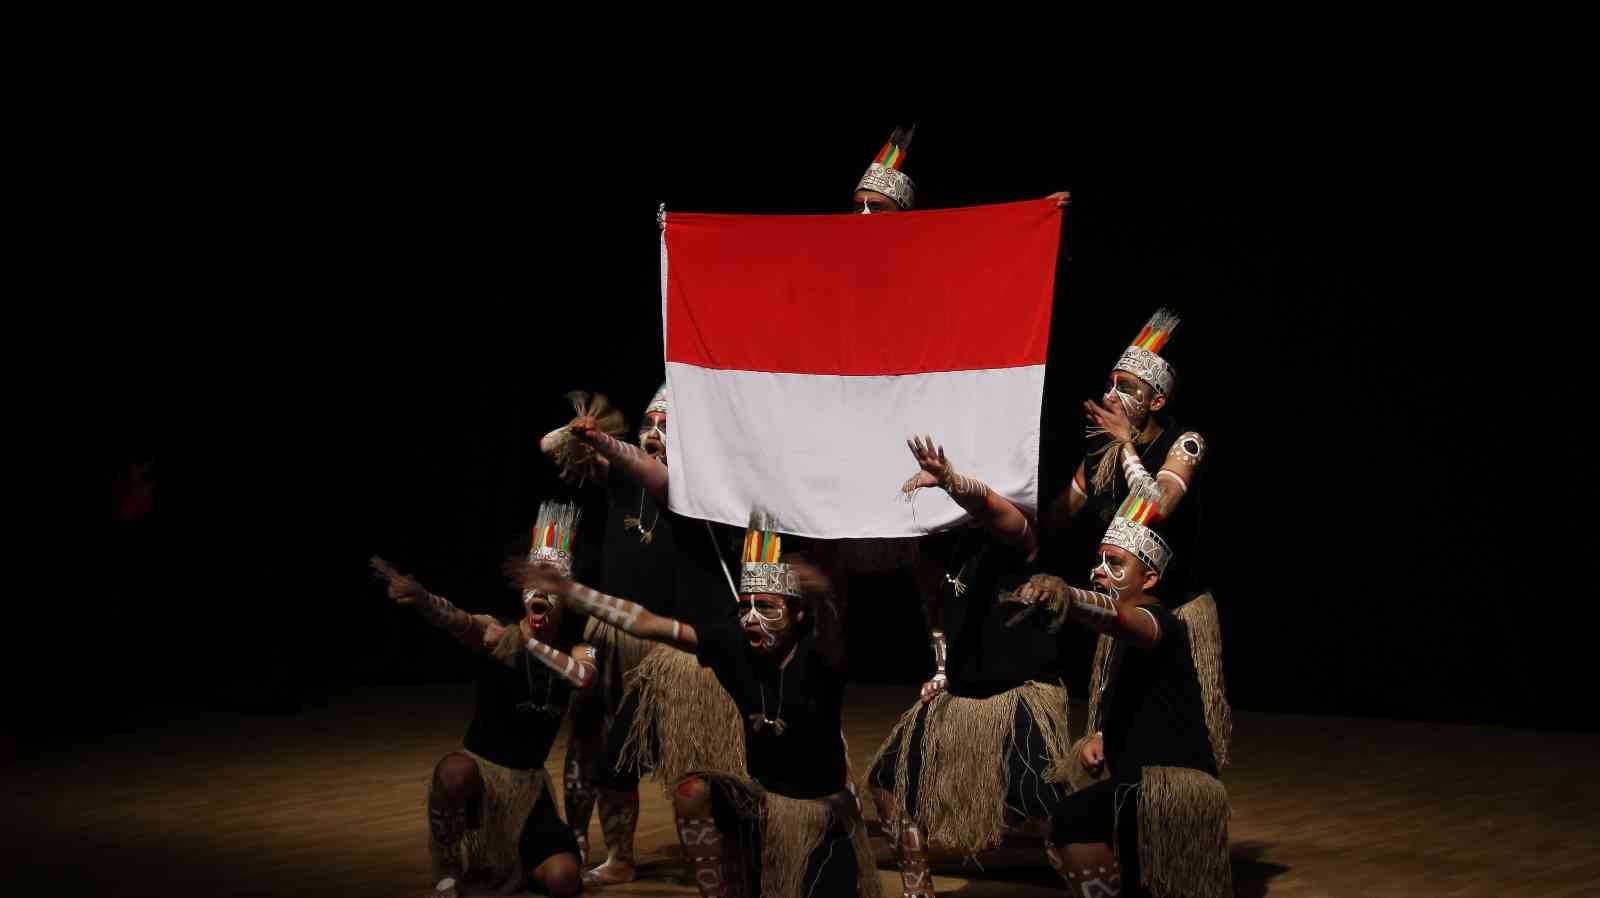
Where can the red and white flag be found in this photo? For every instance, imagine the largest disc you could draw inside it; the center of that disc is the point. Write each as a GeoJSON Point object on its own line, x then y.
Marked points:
{"type": "Point", "coordinates": [803, 350]}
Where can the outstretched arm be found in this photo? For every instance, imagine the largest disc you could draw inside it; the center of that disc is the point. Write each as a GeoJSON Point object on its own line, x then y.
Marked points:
{"type": "Point", "coordinates": [630, 617]}
{"type": "Point", "coordinates": [633, 462]}
{"type": "Point", "coordinates": [1095, 610]}
{"type": "Point", "coordinates": [468, 629]}
{"type": "Point", "coordinates": [1004, 519]}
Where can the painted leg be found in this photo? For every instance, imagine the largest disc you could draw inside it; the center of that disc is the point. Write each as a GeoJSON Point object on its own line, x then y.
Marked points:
{"type": "Point", "coordinates": [619, 817]}
{"type": "Point", "coordinates": [1090, 870]}
{"type": "Point", "coordinates": [456, 784]}
{"type": "Point", "coordinates": [910, 849]}
{"type": "Point", "coordinates": [588, 731]}
{"type": "Point", "coordinates": [703, 843]}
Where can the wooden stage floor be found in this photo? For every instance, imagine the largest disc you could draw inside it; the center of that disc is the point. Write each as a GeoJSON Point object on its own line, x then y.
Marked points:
{"type": "Point", "coordinates": [329, 802]}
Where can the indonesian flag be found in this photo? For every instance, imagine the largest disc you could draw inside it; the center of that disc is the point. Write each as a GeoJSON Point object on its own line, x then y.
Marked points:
{"type": "Point", "coordinates": [803, 351]}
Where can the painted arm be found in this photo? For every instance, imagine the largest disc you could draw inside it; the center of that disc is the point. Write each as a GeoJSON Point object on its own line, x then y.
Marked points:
{"type": "Point", "coordinates": [578, 668]}
{"type": "Point", "coordinates": [630, 617]}
{"type": "Point", "coordinates": [1004, 519]}
{"type": "Point", "coordinates": [633, 462]}
{"type": "Point", "coordinates": [1178, 469]}
{"type": "Point", "coordinates": [1171, 483]}
{"type": "Point", "coordinates": [1095, 610]}
{"type": "Point", "coordinates": [468, 629]}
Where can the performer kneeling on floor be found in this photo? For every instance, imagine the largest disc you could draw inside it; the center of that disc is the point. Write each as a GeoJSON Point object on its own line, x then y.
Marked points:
{"type": "Point", "coordinates": [492, 821]}
{"type": "Point", "coordinates": [977, 753]}
{"type": "Point", "coordinates": [791, 828]}
{"type": "Point", "coordinates": [1156, 822]}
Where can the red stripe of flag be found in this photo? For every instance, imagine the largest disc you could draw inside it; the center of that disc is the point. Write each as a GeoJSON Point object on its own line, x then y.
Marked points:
{"type": "Point", "coordinates": [945, 290]}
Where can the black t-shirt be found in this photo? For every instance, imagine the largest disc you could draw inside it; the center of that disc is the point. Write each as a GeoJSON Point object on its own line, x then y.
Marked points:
{"type": "Point", "coordinates": [985, 656]}
{"type": "Point", "coordinates": [519, 706]}
{"type": "Point", "coordinates": [807, 760]}
{"type": "Point", "coordinates": [636, 570]}
{"type": "Point", "coordinates": [1152, 713]}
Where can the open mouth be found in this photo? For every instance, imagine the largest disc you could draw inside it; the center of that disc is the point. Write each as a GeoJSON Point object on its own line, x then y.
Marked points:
{"type": "Point", "coordinates": [539, 614]}
{"type": "Point", "coordinates": [755, 637]}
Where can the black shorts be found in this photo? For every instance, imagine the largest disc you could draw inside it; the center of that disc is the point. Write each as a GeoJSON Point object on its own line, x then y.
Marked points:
{"type": "Point", "coordinates": [545, 835]}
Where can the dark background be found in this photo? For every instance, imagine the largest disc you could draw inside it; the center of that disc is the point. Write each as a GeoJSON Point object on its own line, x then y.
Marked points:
{"type": "Point", "coordinates": [342, 329]}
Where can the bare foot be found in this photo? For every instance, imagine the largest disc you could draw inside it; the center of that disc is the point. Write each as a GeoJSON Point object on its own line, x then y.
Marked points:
{"type": "Point", "coordinates": [610, 873]}
{"type": "Point", "coordinates": [445, 889]}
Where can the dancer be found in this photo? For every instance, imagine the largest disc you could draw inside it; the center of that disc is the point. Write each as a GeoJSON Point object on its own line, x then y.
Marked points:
{"type": "Point", "coordinates": [788, 827]}
{"type": "Point", "coordinates": [491, 820]}
{"type": "Point", "coordinates": [1157, 817]}
{"type": "Point", "coordinates": [975, 755]}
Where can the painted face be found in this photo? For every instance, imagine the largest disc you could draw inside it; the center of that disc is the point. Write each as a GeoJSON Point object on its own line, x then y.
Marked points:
{"type": "Point", "coordinates": [544, 614]}
{"type": "Point", "coordinates": [871, 202]}
{"type": "Point", "coordinates": [1118, 573]}
{"type": "Point", "coordinates": [653, 435]}
{"type": "Point", "coordinates": [767, 620]}
{"type": "Point", "coordinates": [1131, 393]}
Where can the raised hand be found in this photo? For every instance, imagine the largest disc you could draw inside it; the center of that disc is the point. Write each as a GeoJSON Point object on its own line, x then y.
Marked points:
{"type": "Point", "coordinates": [935, 467]}
{"type": "Point", "coordinates": [585, 428]}
{"type": "Point", "coordinates": [1111, 417]}
{"type": "Point", "coordinates": [403, 590]}
{"type": "Point", "coordinates": [572, 448]}
{"type": "Point", "coordinates": [434, 609]}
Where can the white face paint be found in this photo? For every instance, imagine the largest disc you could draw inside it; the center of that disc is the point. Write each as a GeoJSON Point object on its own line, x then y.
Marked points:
{"type": "Point", "coordinates": [1129, 392]}
{"type": "Point", "coordinates": [1113, 578]}
{"type": "Point", "coordinates": [653, 434]}
{"type": "Point", "coordinates": [771, 621]}
{"type": "Point", "coordinates": [1132, 405]}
